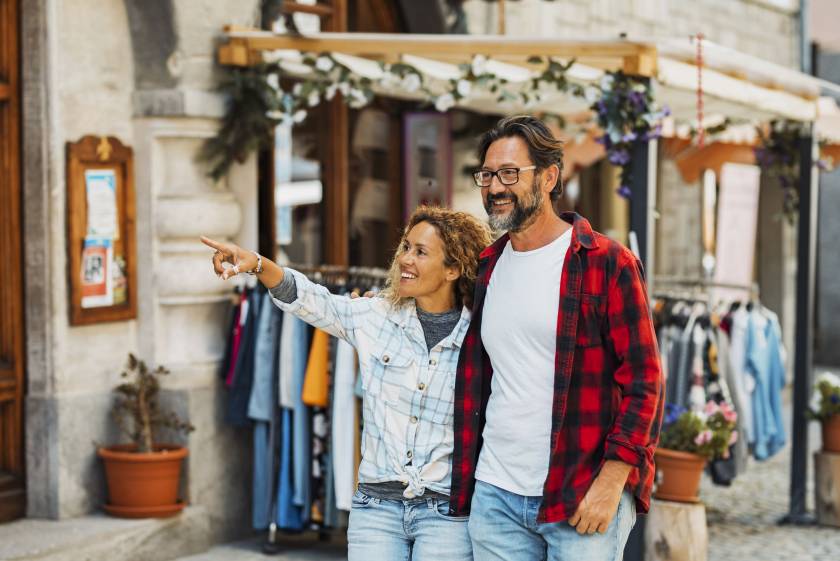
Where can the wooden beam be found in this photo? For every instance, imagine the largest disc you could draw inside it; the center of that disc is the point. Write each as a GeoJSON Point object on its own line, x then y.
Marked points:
{"type": "Point", "coordinates": [380, 45]}
{"type": "Point", "coordinates": [336, 139]}
{"type": "Point", "coordinates": [5, 91]}
{"type": "Point", "coordinates": [319, 10]}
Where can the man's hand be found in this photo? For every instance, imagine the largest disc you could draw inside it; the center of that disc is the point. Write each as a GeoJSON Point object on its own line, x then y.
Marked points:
{"type": "Point", "coordinates": [600, 503]}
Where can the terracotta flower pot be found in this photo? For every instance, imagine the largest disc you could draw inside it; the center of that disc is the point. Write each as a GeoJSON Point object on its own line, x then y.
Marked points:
{"type": "Point", "coordinates": [678, 475]}
{"type": "Point", "coordinates": [831, 434]}
{"type": "Point", "coordinates": [143, 485]}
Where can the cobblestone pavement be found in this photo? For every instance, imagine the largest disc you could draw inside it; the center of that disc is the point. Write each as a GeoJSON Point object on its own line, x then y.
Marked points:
{"type": "Point", "coordinates": [743, 519]}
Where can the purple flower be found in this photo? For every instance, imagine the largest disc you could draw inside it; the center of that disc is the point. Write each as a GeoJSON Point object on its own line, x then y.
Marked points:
{"type": "Point", "coordinates": [624, 191]}
{"type": "Point", "coordinates": [637, 99]}
{"type": "Point", "coordinates": [601, 108]}
{"type": "Point", "coordinates": [629, 137]}
{"type": "Point", "coordinates": [672, 410]}
{"type": "Point", "coordinates": [619, 157]}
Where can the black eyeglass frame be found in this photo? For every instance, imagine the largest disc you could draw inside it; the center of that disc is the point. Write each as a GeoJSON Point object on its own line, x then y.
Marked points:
{"type": "Point", "coordinates": [499, 177]}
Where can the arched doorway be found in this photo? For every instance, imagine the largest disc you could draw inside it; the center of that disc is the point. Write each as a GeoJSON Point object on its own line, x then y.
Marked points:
{"type": "Point", "coordinates": [12, 475]}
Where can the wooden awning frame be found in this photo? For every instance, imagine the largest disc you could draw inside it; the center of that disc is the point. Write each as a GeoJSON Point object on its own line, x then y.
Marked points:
{"type": "Point", "coordinates": [244, 47]}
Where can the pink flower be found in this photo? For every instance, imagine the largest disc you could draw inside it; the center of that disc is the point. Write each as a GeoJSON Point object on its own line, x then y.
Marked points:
{"type": "Point", "coordinates": [711, 408]}
{"type": "Point", "coordinates": [733, 438]}
{"type": "Point", "coordinates": [703, 438]}
{"type": "Point", "coordinates": [728, 413]}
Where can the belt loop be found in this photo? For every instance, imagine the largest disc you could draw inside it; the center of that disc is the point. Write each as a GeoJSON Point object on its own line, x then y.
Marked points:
{"type": "Point", "coordinates": [430, 502]}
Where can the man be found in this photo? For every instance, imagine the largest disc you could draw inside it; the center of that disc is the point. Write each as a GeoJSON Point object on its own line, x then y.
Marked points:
{"type": "Point", "coordinates": [558, 392]}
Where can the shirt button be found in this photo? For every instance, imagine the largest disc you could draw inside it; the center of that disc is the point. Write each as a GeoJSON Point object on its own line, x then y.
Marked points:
{"type": "Point", "coordinates": [414, 420]}
{"type": "Point", "coordinates": [421, 386]}
{"type": "Point", "coordinates": [386, 359]}
{"type": "Point", "coordinates": [409, 454]}
{"type": "Point", "coordinates": [432, 362]}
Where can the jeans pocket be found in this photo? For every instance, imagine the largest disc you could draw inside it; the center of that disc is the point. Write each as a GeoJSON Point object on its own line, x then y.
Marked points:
{"type": "Point", "coordinates": [360, 500]}
{"type": "Point", "coordinates": [442, 510]}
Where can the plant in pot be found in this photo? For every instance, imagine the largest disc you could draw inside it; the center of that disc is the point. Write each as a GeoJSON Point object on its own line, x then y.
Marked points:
{"type": "Point", "coordinates": [143, 475]}
{"type": "Point", "coordinates": [825, 408]}
{"type": "Point", "coordinates": [687, 442]}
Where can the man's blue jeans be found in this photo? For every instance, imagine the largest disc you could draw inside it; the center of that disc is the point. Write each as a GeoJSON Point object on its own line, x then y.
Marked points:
{"type": "Point", "coordinates": [417, 529]}
{"type": "Point", "coordinates": [503, 527]}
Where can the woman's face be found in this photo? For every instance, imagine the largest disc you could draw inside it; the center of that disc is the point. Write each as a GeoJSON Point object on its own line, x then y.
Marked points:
{"type": "Point", "coordinates": [421, 261]}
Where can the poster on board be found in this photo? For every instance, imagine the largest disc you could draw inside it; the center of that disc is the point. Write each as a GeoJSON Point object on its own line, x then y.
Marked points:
{"type": "Point", "coordinates": [97, 283]}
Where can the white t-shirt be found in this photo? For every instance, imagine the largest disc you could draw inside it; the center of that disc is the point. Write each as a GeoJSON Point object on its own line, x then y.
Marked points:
{"type": "Point", "coordinates": [519, 332]}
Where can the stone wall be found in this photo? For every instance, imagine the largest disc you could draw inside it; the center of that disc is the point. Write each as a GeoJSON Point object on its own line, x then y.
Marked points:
{"type": "Point", "coordinates": [761, 28]}
{"type": "Point", "coordinates": [151, 85]}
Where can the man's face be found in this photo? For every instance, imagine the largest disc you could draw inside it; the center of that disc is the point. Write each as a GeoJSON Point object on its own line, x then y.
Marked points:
{"type": "Point", "coordinates": [511, 207]}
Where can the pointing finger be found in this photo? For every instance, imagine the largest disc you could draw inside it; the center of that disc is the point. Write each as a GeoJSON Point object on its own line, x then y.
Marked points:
{"type": "Point", "coordinates": [212, 243]}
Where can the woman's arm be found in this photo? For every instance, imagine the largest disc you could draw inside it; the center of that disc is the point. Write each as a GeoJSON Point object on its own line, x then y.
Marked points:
{"type": "Point", "coordinates": [243, 261]}
{"type": "Point", "coordinates": [339, 316]}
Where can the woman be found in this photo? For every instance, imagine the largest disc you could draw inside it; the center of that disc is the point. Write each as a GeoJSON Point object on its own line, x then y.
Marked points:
{"type": "Point", "coordinates": [407, 342]}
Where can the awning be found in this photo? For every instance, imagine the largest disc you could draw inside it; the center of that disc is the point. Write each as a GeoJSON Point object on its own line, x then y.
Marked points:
{"type": "Point", "coordinates": [736, 86]}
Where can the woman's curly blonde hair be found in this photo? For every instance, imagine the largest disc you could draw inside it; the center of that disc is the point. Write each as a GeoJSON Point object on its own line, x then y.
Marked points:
{"type": "Point", "coordinates": [464, 237]}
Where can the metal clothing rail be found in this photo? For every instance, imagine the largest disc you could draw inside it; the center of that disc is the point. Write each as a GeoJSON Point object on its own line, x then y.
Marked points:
{"type": "Point", "coordinates": [341, 270]}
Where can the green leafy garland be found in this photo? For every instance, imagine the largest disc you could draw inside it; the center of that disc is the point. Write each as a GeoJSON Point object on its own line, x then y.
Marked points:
{"type": "Point", "coordinates": [257, 104]}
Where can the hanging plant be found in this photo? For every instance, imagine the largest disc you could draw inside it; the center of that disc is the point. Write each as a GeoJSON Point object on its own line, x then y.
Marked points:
{"type": "Point", "coordinates": [626, 113]}
{"type": "Point", "coordinates": [777, 154]}
{"type": "Point", "coordinates": [246, 125]}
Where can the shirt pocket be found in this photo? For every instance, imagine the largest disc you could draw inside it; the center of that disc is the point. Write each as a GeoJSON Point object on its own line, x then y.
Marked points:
{"type": "Point", "coordinates": [590, 321]}
{"type": "Point", "coordinates": [391, 372]}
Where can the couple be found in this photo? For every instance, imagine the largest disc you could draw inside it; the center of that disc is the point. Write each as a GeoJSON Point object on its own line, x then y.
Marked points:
{"type": "Point", "coordinates": [512, 393]}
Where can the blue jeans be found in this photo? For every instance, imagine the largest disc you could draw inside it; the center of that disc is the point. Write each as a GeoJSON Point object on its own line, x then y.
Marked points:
{"type": "Point", "coordinates": [417, 529]}
{"type": "Point", "coordinates": [503, 527]}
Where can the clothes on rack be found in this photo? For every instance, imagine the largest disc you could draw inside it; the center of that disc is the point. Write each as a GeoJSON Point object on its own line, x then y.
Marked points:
{"type": "Point", "coordinates": [294, 384]}
{"type": "Point", "coordinates": [732, 355]}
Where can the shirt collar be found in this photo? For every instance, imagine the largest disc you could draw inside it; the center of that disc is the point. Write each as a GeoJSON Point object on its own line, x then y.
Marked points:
{"type": "Point", "coordinates": [582, 236]}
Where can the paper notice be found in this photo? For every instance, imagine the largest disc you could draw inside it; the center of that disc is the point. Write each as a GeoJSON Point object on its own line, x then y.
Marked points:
{"type": "Point", "coordinates": [101, 187]}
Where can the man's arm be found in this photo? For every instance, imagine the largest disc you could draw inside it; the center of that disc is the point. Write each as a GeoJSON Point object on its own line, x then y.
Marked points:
{"type": "Point", "coordinates": [630, 440]}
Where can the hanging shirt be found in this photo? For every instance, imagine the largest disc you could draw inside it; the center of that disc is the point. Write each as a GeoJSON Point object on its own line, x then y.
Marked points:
{"type": "Point", "coordinates": [408, 389]}
{"type": "Point", "coordinates": [316, 385]}
{"type": "Point", "coordinates": [343, 421]}
{"type": "Point", "coordinates": [764, 362]}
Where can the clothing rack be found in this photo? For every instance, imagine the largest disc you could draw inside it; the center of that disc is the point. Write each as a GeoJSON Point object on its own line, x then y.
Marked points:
{"type": "Point", "coordinates": [698, 289]}
{"type": "Point", "coordinates": [341, 271]}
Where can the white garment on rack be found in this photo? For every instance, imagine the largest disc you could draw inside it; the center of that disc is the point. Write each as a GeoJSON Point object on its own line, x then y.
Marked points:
{"type": "Point", "coordinates": [743, 383]}
{"type": "Point", "coordinates": [343, 431]}
{"type": "Point", "coordinates": [285, 364]}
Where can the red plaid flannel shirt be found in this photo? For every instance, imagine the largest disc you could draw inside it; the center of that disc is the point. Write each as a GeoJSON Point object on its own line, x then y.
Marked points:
{"type": "Point", "coordinates": [608, 387]}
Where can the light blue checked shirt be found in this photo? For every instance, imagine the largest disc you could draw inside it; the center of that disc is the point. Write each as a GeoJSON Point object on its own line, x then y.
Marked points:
{"type": "Point", "coordinates": [409, 390]}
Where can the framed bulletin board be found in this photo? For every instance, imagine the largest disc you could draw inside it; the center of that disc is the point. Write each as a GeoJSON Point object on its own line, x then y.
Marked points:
{"type": "Point", "coordinates": [101, 238]}
{"type": "Point", "coordinates": [427, 160]}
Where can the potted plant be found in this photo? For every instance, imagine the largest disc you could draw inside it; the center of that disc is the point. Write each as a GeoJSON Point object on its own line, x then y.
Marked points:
{"type": "Point", "coordinates": [143, 475]}
{"type": "Point", "coordinates": [687, 442]}
{"type": "Point", "coordinates": [825, 407]}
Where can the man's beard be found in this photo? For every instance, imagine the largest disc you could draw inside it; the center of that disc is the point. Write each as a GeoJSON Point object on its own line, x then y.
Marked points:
{"type": "Point", "coordinates": [522, 215]}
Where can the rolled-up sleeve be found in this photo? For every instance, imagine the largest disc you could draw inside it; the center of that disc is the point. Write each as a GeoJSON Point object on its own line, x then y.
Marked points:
{"type": "Point", "coordinates": [635, 431]}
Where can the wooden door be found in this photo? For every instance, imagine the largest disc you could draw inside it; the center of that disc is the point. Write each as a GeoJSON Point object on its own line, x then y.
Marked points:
{"type": "Point", "coordinates": [12, 493]}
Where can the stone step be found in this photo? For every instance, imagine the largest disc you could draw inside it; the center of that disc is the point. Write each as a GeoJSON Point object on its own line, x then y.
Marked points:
{"type": "Point", "coordinates": [292, 549]}
{"type": "Point", "coordinates": [98, 537]}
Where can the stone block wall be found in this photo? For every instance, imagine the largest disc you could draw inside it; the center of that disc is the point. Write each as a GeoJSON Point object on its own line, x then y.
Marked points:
{"type": "Point", "coordinates": [150, 81]}
{"type": "Point", "coordinates": [767, 29]}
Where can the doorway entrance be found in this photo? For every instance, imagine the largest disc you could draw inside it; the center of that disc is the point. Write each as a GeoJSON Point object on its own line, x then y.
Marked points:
{"type": "Point", "coordinates": [12, 475]}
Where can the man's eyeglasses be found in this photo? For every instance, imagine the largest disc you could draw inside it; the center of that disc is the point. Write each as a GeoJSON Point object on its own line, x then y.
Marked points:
{"type": "Point", "coordinates": [507, 176]}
